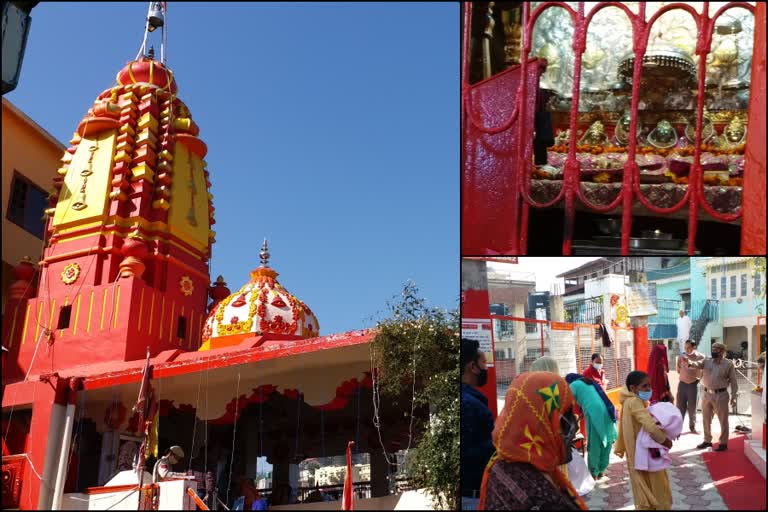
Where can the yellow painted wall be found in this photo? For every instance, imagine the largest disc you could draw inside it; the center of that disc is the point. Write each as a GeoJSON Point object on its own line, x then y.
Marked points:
{"type": "Point", "coordinates": [188, 167]}
{"type": "Point", "coordinates": [33, 152]}
{"type": "Point", "coordinates": [75, 207]}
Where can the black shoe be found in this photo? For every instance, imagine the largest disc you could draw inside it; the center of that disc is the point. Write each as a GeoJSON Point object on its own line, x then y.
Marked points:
{"type": "Point", "coordinates": [704, 445]}
{"type": "Point", "coordinates": [721, 448]}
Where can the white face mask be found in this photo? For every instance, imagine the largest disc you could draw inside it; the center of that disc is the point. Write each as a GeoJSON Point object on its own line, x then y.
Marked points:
{"type": "Point", "coordinates": [597, 366]}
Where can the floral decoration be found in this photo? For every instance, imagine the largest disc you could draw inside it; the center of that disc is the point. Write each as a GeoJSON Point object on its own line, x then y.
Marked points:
{"type": "Point", "coordinates": [186, 285]}
{"type": "Point", "coordinates": [71, 273]}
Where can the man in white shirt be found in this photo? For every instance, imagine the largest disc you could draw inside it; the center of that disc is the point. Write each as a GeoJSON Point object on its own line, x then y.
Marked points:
{"type": "Point", "coordinates": [683, 329]}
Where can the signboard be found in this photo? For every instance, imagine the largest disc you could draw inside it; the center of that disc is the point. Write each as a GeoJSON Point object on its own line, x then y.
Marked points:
{"type": "Point", "coordinates": [480, 330]}
{"type": "Point", "coordinates": [641, 299]}
{"type": "Point", "coordinates": [561, 326]}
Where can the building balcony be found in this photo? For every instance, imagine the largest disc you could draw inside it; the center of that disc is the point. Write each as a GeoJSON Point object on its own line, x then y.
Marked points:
{"type": "Point", "coordinates": [661, 331]}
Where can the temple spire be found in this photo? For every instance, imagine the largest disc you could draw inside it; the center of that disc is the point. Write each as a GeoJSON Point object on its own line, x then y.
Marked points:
{"type": "Point", "coordinates": [264, 254]}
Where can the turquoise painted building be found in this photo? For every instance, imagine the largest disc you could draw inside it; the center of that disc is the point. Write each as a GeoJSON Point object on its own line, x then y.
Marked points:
{"type": "Point", "coordinates": [722, 296]}
{"type": "Point", "coordinates": [739, 290]}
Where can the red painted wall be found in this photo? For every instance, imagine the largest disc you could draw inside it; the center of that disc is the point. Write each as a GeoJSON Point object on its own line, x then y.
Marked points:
{"type": "Point", "coordinates": [753, 223]}
{"type": "Point", "coordinates": [475, 304]}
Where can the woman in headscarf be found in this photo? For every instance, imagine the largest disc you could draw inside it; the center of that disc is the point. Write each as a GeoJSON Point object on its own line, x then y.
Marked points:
{"type": "Point", "coordinates": [545, 364]}
{"type": "Point", "coordinates": [650, 489]}
{"type": "Point", "coordinates": [658, 368]}
{"type": "Point", "coordinates": [601, 423]}
{"type": "Point", "coordinates": [532, 436]}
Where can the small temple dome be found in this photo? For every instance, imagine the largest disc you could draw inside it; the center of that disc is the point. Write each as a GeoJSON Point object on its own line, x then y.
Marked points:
{"type": "Point", "coordinates": [147, 71]}
{"type": "Point", "coordinates": [261, 307]}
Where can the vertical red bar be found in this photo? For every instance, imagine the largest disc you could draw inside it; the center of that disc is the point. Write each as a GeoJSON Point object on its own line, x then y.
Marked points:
{"type": "Point", "coordinates": [753, 198]}
{"type": "Point", "coordinates": [641, 348]}
{"type": "Point", "coordinates": [571, 168]}
{"type": "Point", "coordinates": [476, 304]}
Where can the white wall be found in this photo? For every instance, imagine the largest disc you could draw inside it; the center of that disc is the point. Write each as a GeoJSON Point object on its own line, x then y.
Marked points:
{"type": "Point", "coordinates": [609, 283]}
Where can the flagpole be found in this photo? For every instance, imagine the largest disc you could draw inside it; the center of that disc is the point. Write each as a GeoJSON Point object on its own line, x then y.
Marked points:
{"type": "Point", "coordinates": [142, 402]}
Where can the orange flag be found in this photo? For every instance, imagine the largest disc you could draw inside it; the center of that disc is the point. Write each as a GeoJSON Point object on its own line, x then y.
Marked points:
{"type": "Point", "coordinates": [346, 501]}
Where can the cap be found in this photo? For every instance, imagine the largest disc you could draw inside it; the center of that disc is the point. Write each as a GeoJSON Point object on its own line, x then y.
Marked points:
{"type": "Point", "coordinates": [177, 451]}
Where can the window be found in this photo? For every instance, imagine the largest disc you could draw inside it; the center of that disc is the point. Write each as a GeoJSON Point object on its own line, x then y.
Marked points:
{"type": "Point", "coordinates": [605, 271]}
{"type": "Point", "coordinates": [65, 314]}
{"type": "Point", "coordinates": [27, 205]}
{"type": "Point", "coordinates": [758, 289]}
{"type": "Point", "coordinates": [713, 286]}
{"type": "Point", "coordinates": [743, 285]}
{"type": "Point", "coordinates": [733, 286]}
{"type": "Point", "coordinates": [723, 284]}
{"type": "Point", "coordinates": [181, 328]}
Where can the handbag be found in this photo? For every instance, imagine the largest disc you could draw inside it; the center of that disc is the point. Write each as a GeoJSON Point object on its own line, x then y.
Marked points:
{"type": "Point", "coordinates": [579, 475]}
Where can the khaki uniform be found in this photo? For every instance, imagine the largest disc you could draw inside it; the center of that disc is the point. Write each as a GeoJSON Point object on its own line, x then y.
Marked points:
{"type": "Point", "coordinates": [717, 376]}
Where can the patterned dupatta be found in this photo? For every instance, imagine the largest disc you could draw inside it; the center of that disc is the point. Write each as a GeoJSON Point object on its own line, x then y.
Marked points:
{"type": "Point", "coordinates": [528, 428]}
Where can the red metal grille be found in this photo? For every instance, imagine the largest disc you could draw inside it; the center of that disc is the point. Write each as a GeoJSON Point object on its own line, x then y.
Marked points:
{"type": "Point", "coordinates": [511, 236]}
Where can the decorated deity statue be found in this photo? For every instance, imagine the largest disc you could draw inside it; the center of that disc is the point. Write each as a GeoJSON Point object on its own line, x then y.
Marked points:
{"type": "Point", "coordinates": [663, 136]}
{"type": "Point", "coordinates": [551, 76]}
{"type": "Point", "coordinates": [621, 132]}
{"type": "Point", "coordinates": [595, 135]}
{"type": "Point", "coordinates": [707, 129]}
{"type": "Point", "coordinates": [735, 133]}
{"type": "Point", "coordinates": [563, 137]}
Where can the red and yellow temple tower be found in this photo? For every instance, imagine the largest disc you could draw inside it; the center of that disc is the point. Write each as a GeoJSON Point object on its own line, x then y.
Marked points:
{"type": "Point", "coordinates": [129, 232]}
{"type": "Point", "coordinates": [125, 271]}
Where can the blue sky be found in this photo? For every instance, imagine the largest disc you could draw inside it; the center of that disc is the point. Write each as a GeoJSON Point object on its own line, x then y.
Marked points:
{"type": "Point", "coordinates": [332, 129]}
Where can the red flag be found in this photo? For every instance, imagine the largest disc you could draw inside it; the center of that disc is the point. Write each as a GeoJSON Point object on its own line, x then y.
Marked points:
{"type": "Point", "coordinates": [346, 501]}
{"type": "Point", "coordinates": [143, 405]}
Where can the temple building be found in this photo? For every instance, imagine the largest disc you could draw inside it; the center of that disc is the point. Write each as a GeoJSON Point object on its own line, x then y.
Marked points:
{"type": "Point", "coordinates": [124, 279]}
{"type": "Point", "coordinates": [623, 127]}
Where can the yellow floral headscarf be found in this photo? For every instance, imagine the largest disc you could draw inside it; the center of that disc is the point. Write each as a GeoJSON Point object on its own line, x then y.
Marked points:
{"type": "Point", "coordinates": [528, 428]}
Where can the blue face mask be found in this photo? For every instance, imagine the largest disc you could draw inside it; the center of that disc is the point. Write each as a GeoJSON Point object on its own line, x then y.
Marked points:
{"type": "Point", "coordinates": [645, 395]}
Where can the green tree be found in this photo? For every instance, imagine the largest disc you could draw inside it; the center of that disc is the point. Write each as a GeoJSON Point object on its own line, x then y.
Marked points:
{"type": "Point", "coordinates": [417, 349]}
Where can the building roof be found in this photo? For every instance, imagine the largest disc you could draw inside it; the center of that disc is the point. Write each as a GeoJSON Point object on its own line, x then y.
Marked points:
{"type": "Point", "coordinates": [665, 273]}
{"type": "Point", "coordinates": [600, 262]}
{"type": "Point", "coordinates": [32, 124]}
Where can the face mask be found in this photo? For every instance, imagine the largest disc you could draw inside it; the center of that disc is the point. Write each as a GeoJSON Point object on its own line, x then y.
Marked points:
{"type": "Point", "coordinates": [568, 432]}
{"type": "Point", "coordinates": [482, 377]}
{"type": "Point", "coordinates": [597, 366]}
{"type": "Point", "coordinates": [715, 355]}
{"type": "Point", "coordinates": [645, 395]}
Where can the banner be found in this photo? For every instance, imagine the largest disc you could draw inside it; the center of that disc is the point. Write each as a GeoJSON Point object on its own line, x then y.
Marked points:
{"type": "Point", "coordinates": [641, 299]}
{"type": "Point", "coordinates": [479, 329]}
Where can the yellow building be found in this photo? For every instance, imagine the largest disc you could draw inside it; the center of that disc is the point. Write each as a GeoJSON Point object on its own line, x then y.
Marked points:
{"type": "Point", "coordinates": [31, 156]}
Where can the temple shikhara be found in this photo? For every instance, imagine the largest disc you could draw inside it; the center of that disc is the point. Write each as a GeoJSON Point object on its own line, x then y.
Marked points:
{"type": "Point", "coordinates": [122, 308]}
{"type": "Point", "coordinates": [624, 127]}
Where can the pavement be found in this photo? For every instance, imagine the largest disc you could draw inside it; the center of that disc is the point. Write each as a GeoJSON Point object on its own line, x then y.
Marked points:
{"type": "Point", "coordinates": [690, 480]}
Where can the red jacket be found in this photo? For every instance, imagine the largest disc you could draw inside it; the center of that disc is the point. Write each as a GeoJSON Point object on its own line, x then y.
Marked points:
{"type": "Point", "coordinates": [593, 374]}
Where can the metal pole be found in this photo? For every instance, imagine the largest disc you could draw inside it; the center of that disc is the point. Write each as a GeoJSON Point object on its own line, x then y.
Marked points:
{"type": "Point", "coordinates": [61, 474]}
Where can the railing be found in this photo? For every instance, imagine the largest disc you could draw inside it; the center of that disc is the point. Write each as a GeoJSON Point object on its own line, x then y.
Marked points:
{"type": "Point", "coordinates": [196, 499]}
{"type": "Point", "coordinates": [571, 344]}
{"type": "Point", "coordinates": [508, 135]}
{"type": "Point", "coordinates": [662, 325]}
{"type": "Point", "coordinates": [584, 311]}
{"type": "Point", "coordinates": [709, 312]}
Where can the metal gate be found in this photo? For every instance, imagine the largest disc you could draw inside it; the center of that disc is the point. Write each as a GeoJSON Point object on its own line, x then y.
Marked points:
{"type": "Point", "coordinates": [497, 142]}
{"type": "Point", "coordinates": [518, 342]}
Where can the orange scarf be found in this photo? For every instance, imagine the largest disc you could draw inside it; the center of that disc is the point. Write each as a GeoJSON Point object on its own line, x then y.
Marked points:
{"type": "Point", "coordinates": [528, 428]}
